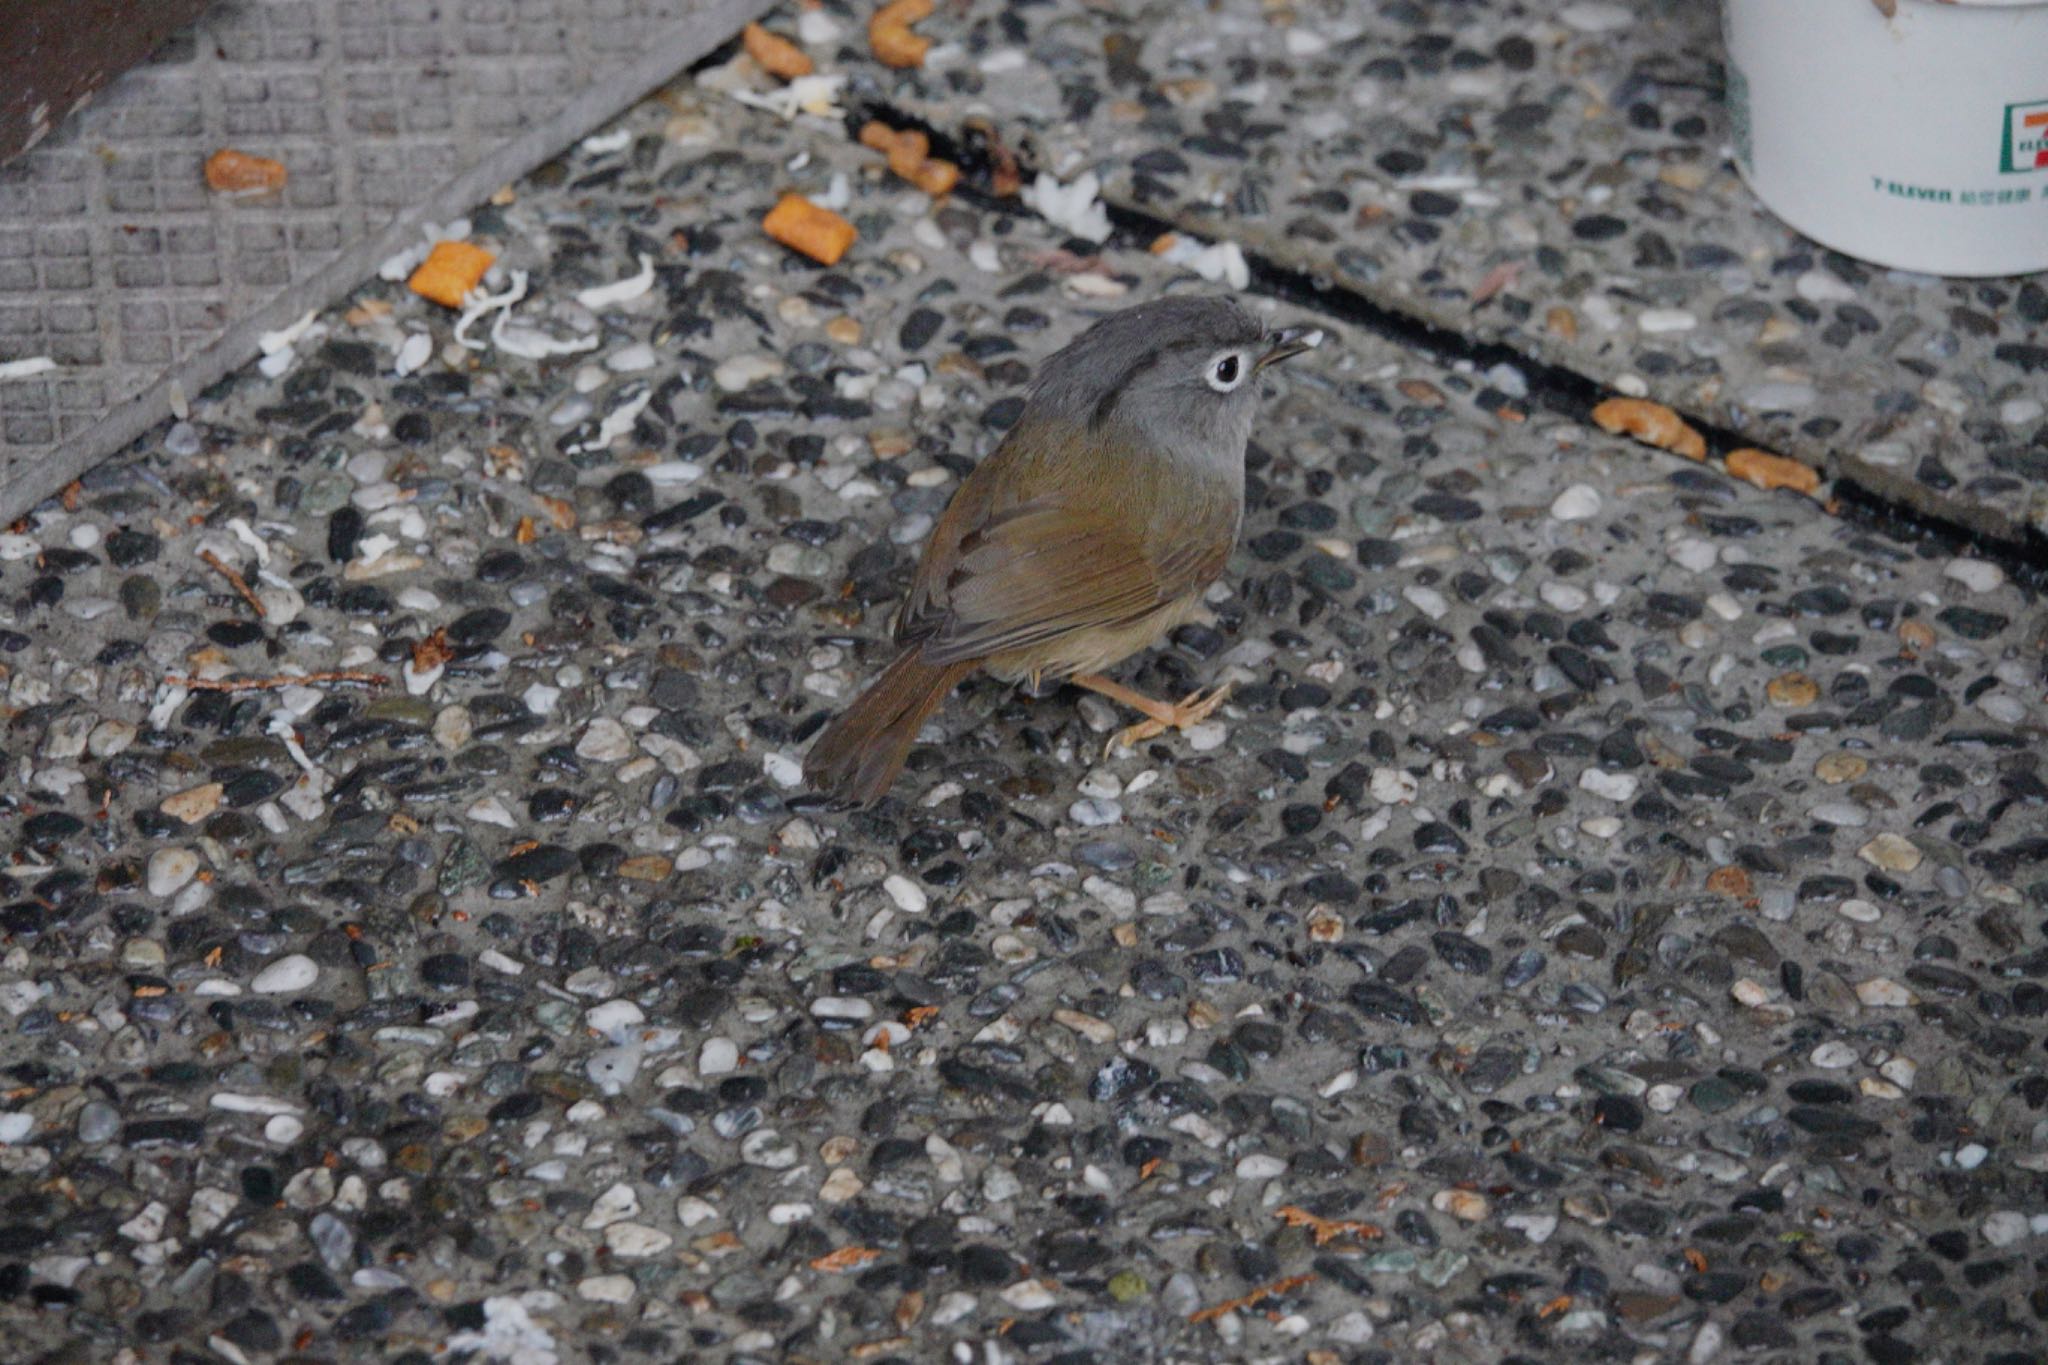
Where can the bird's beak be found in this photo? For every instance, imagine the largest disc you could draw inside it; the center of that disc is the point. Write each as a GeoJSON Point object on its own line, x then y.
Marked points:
{"type": "Point", "coordinates": [1289, 341]}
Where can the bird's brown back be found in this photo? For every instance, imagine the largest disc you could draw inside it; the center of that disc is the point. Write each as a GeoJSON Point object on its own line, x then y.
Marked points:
{"type": "Point", "coordinates": [1042, 540]}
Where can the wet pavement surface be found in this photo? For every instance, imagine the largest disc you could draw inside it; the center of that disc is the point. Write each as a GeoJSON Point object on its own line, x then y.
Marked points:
{"type": "Point", "coordinates": [1606, 922]}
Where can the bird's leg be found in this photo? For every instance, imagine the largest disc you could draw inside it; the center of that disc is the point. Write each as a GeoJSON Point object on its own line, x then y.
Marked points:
{"type": "Point", "coordinates": [1161, 716]}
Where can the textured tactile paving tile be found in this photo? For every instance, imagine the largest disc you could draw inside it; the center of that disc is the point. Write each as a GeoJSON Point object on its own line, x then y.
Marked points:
{"type": "Point", "coordinates": [1606, 923]}
{"type": "Point", "coordinates": [143, 287]}
{"type": "Point", "coordinates": [1556, 177]}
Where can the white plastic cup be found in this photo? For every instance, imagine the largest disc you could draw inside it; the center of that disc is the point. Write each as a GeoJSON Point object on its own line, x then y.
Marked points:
{"type": "Point", "coordinates": [1917, 140]}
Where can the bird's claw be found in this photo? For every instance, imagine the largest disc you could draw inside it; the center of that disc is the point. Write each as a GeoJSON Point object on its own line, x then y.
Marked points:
{"type": "Point", "coordinates": [1192, 709]}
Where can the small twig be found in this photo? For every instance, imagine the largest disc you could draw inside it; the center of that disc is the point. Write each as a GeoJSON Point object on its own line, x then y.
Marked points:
{"type": "Point", "coordinates": [1259, 1295]}
{"type": "Point", "coordinates": [1325, 1229]}
{"type": "Point", "coordinates": [235, 580]}
{"type": "Point", "coordinates": [338, 675]}
{"type": "Point", "coordinates": [844, 1259]}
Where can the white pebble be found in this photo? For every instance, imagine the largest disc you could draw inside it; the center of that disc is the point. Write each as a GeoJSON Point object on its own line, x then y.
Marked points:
{"type": "Point", "coordinates": [1464, 1205]}
{"type": "Point", "coordinates": [1975, 574]}
{"type": "Point", "coordinates": [1100, 782]}
{"type": "Point", "coordinates": [627, 359]}
{"type": "Point", "coordinates": [2019, 412]}
{"type": "Point", "coordinates": [1613, 786]}
{"type": "Point", "coordinates": [907, 894]}
{"type": "Point", "coordinates": [1094, 811]}
{"type": "Point", "coordinates": [2001, 707]}
{"type": "Point", "coordinates": [636, 1241]}
{"type": "Point", "coordinates": [147, 1225]}
{"type": "Point", "coordinates": [1818, 286]}
{"type": "Point", "coordinates": [1694, 554]}
{"type": "Point", "coordinates": [1394, 786]}
{"type": "Point", "coordinates": [1428, 601]}
{"type": "Point", "coordinates": [718, 1057]}
{"type": "Point", "coordinates": [765, 1148]}
{"type": "Point", "coordinates": [741, 371]}
{"type": "Point", "coordinates": [1576, 503]}
{"type": "Point", "coordinates": [170, 869]}
{"type": "Point", "coordinates": [1537, 1227]}
{"type": "Point", "coordinates": [1659, 320]}
{"type": "Point", "coordinates": [606, 1289]}
{"type": "Point", "coordinates": [1355, 1328]}
{"type": "Point", "coordinates": [1029, 1296]}
{"type": "Point", "coordinates": [1597, 16]}
{"type": "Point", "coordinates": [293, 972]}
{"type": "Point", "coordinates": [489, 810]}
{"type": "Point", "coordinates": [2006, 1227]}
{"type": "Point", "coordinates": [412, 353]}
{"type": "Point", "coordinates": [613, 1068]}
{"type": "Point", "coordinates": [236, 1103]}
{"type": "Point", "coordinates": [618, 1203]}
{"type": "Point", "coordinates": [1883, 993]}
{"type": "Point", "coordinates": [841, 1186]}
{"type": "Point", "coordinates": [669, 472]}
{"type": "Point", "coordinates": [605, 741]}
{"type": "Point", "coordinates": [614, 1018]}
{"type": "Point", "coordinates": [1833, 1055]}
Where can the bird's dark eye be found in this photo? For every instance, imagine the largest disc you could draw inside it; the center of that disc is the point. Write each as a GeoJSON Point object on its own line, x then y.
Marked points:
{"type": "Point", "coordinates": [1226, 370]}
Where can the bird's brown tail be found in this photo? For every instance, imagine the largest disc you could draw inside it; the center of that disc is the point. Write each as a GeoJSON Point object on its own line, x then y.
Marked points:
{"type": "Point", "coordinates": [858, 755]}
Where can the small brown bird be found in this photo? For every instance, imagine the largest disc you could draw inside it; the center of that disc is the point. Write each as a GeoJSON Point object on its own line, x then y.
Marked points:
{"type": "Point", "coordinates": [1091, 531]}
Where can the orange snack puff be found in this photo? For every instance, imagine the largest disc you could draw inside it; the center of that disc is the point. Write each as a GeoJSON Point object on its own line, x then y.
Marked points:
{"type": "Point", "coordinates": [890, 37]}
{"type": "Point", "coordinates": [909, 154]}
{"type": "Point", "coordinates": [233, 172]}
{"type": "Point", "coordinates": [450, 271]}
{"type": "Point", "coordinates": [935, 177]}
{"type": "Point", "coordinates": [1766, 470]}
{"type": "Point", "coordinates": [775, 54]}
{"type": "Point", "coordinates": [1652, 423]}
{"type": "Point", "coordinates": [800, 225]}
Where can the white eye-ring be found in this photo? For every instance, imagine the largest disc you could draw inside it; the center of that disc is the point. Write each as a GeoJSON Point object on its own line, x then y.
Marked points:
{"type": "Point", "coordinates": [1225, 372]}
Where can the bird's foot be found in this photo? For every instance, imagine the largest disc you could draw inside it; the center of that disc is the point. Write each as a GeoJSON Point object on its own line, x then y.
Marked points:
{"type": "Point", "coordinates": [1192, 709]}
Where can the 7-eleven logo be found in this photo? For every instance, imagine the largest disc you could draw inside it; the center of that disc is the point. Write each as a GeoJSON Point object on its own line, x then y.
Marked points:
{"type": "Point", "coordinates": [2026, 138]}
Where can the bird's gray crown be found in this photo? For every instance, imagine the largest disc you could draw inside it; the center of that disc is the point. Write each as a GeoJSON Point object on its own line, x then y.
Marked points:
{"type": "Point", "coordinates": [1087, 378]}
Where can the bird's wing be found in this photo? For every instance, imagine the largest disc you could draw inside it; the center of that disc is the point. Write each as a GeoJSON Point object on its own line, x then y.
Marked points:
{"type": "Point", "coordinates": [1049, 566]}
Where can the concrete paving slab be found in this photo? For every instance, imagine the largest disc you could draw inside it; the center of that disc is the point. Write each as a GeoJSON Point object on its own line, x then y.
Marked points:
{"type": "Point", "coordinates": [1607, 920]}
{"type": "Point", "coordinates": [140, 287]}
{"type": "Point", "coordinates": [1553, 177]}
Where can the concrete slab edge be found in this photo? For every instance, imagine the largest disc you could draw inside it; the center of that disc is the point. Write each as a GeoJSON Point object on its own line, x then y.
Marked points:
{"type": "Point", "coordinates": [1281, 266]}
{"type": "Point", "coordinates": [667, 54]}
